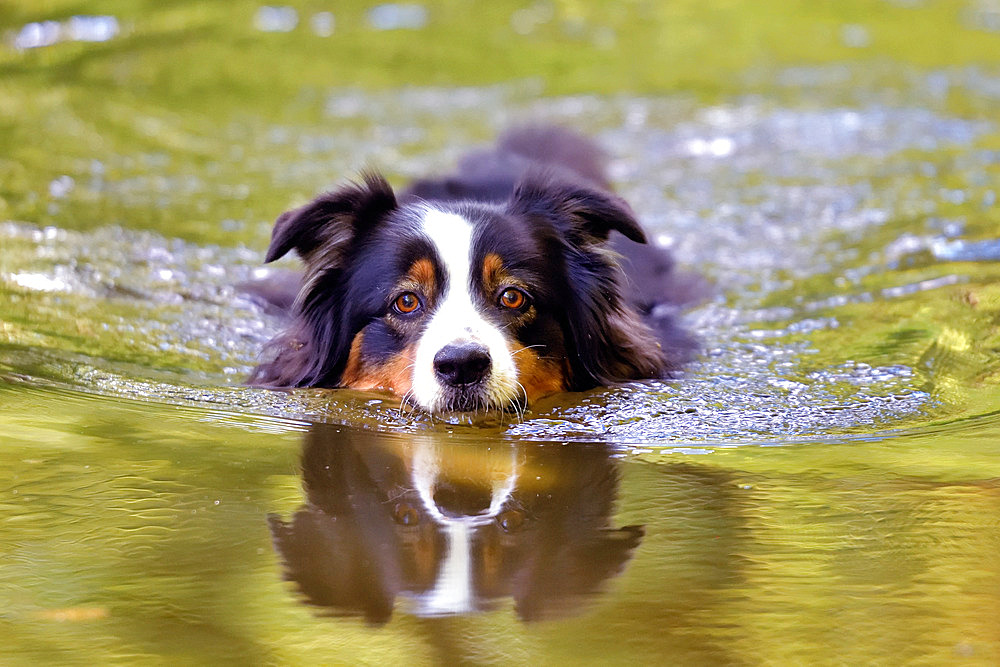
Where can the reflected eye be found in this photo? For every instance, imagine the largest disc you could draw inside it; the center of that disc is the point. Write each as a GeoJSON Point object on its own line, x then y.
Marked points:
{"type": "Point", "coordinates": [406, 515]}
{"type": "Point", "coordinates": [511, 520]}
{"type": "Point", "coordinates": [407, 302]}
{"type": "Point", "coordinates": [513, 298]}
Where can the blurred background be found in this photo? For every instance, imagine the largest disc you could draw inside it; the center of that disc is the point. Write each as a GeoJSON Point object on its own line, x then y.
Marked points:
{"type": "Point", "coordinates": [203, 85]}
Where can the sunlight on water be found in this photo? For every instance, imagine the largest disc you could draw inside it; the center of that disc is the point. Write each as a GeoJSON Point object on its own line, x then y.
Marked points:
{"type": "Point", "coordinates": [150, 522]}
{"type": "Point", "coordinates": [78, 28]}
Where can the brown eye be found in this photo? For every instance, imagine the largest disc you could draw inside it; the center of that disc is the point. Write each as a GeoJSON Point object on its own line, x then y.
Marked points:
{"type": "Point", "coordinates": [407, 302]}
{"type": "Point", "coordinates": [406, 515]}
{"type": "Point", "coordinates": [513, 298]}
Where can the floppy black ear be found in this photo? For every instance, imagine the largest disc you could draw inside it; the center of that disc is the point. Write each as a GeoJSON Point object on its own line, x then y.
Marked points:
{"type": "Point", "coordinates": [314, 348]}
{"type": "Point", "coordinates": [332, 219]}
{"type": "Point", "coordinates": [578, 209]}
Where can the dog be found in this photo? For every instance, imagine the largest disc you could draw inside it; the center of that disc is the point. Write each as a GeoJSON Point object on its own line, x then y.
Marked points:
{"type": "Point", "coordinates": [483, 290]}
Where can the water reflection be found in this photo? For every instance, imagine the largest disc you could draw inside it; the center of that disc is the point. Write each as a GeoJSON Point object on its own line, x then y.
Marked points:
{"type": "Point", "coordinates": [452, 527]}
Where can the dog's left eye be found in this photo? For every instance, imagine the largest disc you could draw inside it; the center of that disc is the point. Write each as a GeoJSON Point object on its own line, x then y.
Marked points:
{"type": "Point", "coordinates": [513, 298]}
{"type": "Point", "coordinates": [510, 521]}
{"type": "Point", "coordinates": [406, 303]}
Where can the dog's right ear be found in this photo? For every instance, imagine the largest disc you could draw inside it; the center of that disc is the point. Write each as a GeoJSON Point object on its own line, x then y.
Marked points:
{"type": "Point", "coordinates": [332, 220]}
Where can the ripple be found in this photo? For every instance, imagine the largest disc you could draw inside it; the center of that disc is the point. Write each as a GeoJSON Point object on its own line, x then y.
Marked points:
{"type": "Point", "coordinates": [776, 205]}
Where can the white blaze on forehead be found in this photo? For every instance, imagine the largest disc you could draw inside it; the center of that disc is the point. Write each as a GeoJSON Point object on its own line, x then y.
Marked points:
{"type": "Point", "coordinates": [451, 235]}
{"type": "Point", "coordinates": [455, 318]}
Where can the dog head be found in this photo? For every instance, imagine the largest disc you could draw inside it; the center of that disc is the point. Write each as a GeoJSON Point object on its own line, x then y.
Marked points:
{"type": "Point", "coordinates": [460, 305]}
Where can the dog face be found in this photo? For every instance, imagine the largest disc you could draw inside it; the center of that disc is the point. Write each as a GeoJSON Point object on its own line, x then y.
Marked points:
{"type": "Point", "coordinates": [460, 306]}
{"type": "Point", "coordinates": [464, 310]}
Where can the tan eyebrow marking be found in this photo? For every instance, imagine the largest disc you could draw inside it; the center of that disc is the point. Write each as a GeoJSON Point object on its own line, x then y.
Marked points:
{"type": "Point", "coordinates": [422, 273]}
{"type": "Point", "coordinates": [492, 270]}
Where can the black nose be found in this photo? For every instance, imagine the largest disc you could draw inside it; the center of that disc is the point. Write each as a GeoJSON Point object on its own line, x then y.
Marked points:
{"type": "Point", "coordinates": [462, 364]}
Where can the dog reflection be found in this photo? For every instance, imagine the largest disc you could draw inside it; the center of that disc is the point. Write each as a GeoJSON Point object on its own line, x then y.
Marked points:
{"type": "Point", "coordinates": [453, 528]}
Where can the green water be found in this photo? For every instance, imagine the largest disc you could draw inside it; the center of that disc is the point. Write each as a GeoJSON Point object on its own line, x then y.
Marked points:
{"type": "Point", "coordinates": [822, 486]}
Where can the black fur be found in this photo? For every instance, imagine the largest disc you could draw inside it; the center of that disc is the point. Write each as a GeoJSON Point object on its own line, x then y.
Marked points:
{"type": "Point", "coordinates": [336, 217]}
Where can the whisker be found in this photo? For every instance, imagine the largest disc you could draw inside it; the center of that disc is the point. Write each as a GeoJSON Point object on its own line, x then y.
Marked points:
{"type": "Point", "coordinates": [404, 399]}
{"type": "Point", "coordinates": [403, 370]}
{"type": "Point", "coordinates": [518, 404]}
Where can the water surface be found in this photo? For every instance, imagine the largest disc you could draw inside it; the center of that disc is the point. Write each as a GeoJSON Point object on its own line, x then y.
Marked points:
{"type": "Point", "coordinates": [820, 486]}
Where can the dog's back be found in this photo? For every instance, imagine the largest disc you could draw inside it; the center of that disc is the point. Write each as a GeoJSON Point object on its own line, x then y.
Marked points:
{"type": "Point", "coordinates": [492, 174]}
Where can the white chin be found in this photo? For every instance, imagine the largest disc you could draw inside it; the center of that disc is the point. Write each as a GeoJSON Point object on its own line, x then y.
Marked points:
{"type": "Point", "coordinates": [484, 400]}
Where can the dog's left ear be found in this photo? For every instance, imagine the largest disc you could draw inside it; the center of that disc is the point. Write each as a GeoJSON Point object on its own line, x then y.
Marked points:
{"type": "Point", "coordinates": [607, 341]}
{"type": "Point", "coordinates": [333, 219]}
{"type": "Point", "coordinates": [589, 212]}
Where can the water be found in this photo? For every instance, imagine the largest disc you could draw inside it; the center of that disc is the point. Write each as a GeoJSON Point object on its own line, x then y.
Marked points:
{"type": "Point", "coordinates": [820, 486]}
{"type": "Point", "coordinates": [800, 256]}
{"type": "Point", "coordinates": [137, 530]}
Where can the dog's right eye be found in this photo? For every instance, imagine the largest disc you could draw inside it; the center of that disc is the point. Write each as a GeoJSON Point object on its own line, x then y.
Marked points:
{"type": "Point", "coordinates": [406, 303]}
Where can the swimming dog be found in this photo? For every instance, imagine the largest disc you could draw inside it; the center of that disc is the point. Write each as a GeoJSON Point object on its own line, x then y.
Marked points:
{"type": "Point", "coordinates": [482, 290]}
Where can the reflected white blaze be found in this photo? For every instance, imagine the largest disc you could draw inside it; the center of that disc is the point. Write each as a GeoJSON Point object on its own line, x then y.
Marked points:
{"type": "Point", "coordinates": [455, 318]}
{"type": "Point", "coordinates": [453, 591]}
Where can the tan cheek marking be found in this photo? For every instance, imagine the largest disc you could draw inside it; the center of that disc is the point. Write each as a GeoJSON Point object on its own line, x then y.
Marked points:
{"type": "Point", "coordinates": [395, 375]}
{"type": "Point", "coordinates": [422, 273]}
{"type": "Point", "coordinates": [539, 377]}
{"type": "Point", "coordinates": [353, 368]}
